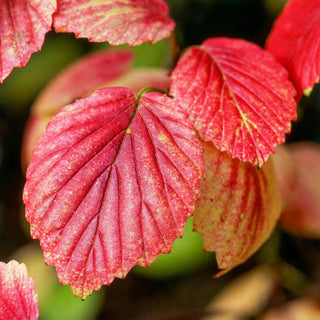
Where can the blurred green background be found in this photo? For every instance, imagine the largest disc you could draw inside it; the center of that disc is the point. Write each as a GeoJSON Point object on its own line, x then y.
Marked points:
{"type": "Point", "coordinates": [179, 285]}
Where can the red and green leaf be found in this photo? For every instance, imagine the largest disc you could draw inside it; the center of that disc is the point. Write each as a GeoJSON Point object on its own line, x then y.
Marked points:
{"type": "Point", "coordinates": [118, 22]}
{"type": "Point", "coordinates": [111, 185]}
{"type": "Point", "coordinates": [238, 96]}
{"type": "Point", "coordinates": [295, 42]}
{"type": "Point", "coordinates": [18, 299]}
{"type": "Point", "coordinates": [23, 25]}
{"type": "Point", "coordinates": [238, 208]}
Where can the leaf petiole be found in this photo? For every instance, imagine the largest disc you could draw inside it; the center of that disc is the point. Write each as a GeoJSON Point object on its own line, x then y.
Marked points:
{"type": "Point", "coordinates": [153, 89]}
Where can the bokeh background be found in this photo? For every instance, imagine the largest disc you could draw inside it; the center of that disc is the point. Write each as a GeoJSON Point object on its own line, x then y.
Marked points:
{"type": "Point", "coordinates": [179, 285]}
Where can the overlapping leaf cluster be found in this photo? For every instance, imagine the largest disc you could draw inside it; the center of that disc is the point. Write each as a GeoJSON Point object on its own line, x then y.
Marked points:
{"type": "Point", "coordinates": [116, 175]}
{"type": "Point", "coordinates": [23, 24]}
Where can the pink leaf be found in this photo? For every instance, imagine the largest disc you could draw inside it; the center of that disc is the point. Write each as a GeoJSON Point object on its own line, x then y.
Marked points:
{"type": "Point", "coordinates": [18, 299]}
{"type": "Point", "coordinates": [238, 96]}
{"type": "Point", "coordinates": [295, 42]}
{"type": "Point", "coordinates": [23, 25]}
{"type": "Point", "coordinates": [298, 174]}
{"type": "Point", "coordinates": [118, 21]}
{"type": "Point", "coordinates": [111, 185]}
{"type": "Point", "coordinates": [238, 208]}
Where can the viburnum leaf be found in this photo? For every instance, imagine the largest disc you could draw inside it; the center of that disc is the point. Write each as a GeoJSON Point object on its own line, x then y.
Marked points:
{"type": "Point", "coordinates": [81, 78]}
{"type": "Point", "coordinates": [238, 96]}
{"type": "Point", "coordinates": [116, 21]}
{"type": "Point", "coordinates": [295, 42]}
{"type": "Point", "coordinates": [111, 185]}
{"type": "Point", "coordinates": [78, 80]}
{"type": "Point", "coordinates": [23, 25]}
{"type": "Point", "coordinates": [238, 207]}
{"type": "Point", "coordinates": [18, 299]}
{"type": "Point", "coordinates": [298, 170]}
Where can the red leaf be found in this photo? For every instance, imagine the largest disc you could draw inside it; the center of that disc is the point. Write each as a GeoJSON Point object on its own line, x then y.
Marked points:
{"type": "Point", "coordinates": [78, 80]}
{"type": "Point", "coordinates": [295, 42]}
{"type": "Point", "coordinates": [238, 208]}
{"type": "Point", "coordinates": [238, 96]}
{"type": "Point", "coordinates": [18, 299]}
{"type": "Point", "coordinates": [118, 21]}
{"type": "Point", "coordinates": [23, 25]}
{"type": "Point", "coordinates": [81, 78]}
{"type": "Point", "coordinates": [111, 185]}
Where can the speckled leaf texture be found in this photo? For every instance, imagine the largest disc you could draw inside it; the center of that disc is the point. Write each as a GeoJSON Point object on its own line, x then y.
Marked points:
{"type": "Point", "coordinates": [238, 208]}
{"type": "Point", "coordinates": [238, 96]}
{"type": "Point", "coordinates": [295, 42]}
{"type": "Point", "coordinates": [89, 73]}
{"type": "Point", "coordinates": [111, 185]}
{"type": "Point", "coordinates": [23, 25]}
{"type": "Point", "coordinates": [18, 299]}
{"type": "Point", "coordinates": [116, 21]}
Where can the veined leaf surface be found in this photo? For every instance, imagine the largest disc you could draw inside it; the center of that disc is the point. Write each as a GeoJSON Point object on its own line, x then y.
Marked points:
{"type": "Point", "coordinates": [295, 42]}
{"type": "Point", "coordinates": [111, 185]}
{"type": "Point", "coordinates": [238, 208]}
{"type": "Point", "coordinates": [89, 73]}
{"type": "Point", "coordinates": [238, 96]}
{"type": "Point", "coordinates": [18, 299]}
{"type": "Point", "coordinates": [23, 25]}
{"type": "Point", "coordinates": [116, 21]}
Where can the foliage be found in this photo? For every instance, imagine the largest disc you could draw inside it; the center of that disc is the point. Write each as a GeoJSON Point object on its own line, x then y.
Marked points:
{"type": "Point", "coordinates": [126, 156]}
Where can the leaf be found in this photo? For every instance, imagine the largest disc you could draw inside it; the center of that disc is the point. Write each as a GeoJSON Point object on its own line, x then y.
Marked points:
{"type": "Point", "coordinates": [78, 80]}
{"type": "Point", "coordinates": [301, 211]}
{"type": "Point", "coordinates": [306, 308]}
{"type": "Point", "coordinates": [295, 42]}
{"type": "Point", "coordinates": [23, 25]}
{"type": "Point", "coordinates": [238, 208]}
{"type": "Point", "coordinates": [286, 172]}
{"type": "Point", "coordinates": [232, 304]}
{"type": "Point", "coordinates": [111, 185]}
{"type": "Point", "coordinates": [116, 21]}
{"type": "Point", "coordinates": [238, 96]}
{"type": "Point", "coordinates": [82, 77]}
{"type": "Point", "coordinates": [18, 300]}
{"type": "Point", "coordinates": [139, 78]}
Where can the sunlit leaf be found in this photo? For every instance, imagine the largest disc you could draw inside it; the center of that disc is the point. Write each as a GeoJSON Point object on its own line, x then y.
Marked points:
{"type": "Point", "coordinates": [76, 81]}
{"type": "Point", "coordinates": [295, 42]}
{"type": "Point", "coordinates": [116, 21]}
{"type": "Point", "coordinates": [238, 208]}
{"type": "Point", "coordinates": [111, 185]}
{"type": "Point", "coordinates": [23, 25]}
{"type": "Point", "coordinates": [18, 299]}
{"type": "Point", "coordinates": [238, 96]}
